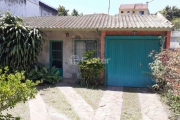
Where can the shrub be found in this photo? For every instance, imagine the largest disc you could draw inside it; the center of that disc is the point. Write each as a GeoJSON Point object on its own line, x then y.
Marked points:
{"type": "Point", "coordinates": [19, 45]}
{"type": "Point", "coordinates": [90, 69]}
{"type": "Point", "coordinates": [40, 72]}
{"type": "Point", "coordinates": [14, 88]}
{"type": "Point", "coordinates": [166, 73]}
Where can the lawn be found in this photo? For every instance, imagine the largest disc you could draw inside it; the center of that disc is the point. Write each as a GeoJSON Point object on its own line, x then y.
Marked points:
{"type": "Point", "coordinates": [91, 96]}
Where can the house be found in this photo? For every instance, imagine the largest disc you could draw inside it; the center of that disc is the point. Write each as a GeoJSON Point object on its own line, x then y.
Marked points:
{"type": "Point", "coordinates": [134, 9]}
{"type": "Point", "coordinates": [125, 45]}
{"type": "Point", "coordinates": [27, 8]}
{"type": "Point", "coordinates": [175, 39]}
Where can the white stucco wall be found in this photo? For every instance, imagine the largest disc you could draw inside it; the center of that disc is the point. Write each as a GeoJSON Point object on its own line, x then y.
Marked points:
{"type": "Point", "coordinates": [21, 8]}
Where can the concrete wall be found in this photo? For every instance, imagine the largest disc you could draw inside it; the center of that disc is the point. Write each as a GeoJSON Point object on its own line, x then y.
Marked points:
{"type": "Point", "coordinates": [26, 8]}
{"type": "Point", "coordinates": [146, 12]}
{"type": "Point", "coordinates": [69, 70]}
{"type": "Point", "coordinates": [175, 39]}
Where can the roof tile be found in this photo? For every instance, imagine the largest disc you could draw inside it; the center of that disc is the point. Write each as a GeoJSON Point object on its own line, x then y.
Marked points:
{"type": "Point", "coordinates": [99, 21]}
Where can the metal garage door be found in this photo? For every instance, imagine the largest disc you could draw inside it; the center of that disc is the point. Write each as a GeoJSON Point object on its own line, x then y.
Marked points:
{"type": "Point", "coordinates": [129, 60]}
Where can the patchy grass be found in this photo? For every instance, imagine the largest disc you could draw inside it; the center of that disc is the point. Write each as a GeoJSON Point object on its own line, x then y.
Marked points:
{"type": "Point", "coordinates": [131, 109]}
{"type": "Point", "coordinates": [91, 96]}
{"type": "Point", "coordinates": [171, 114]}
{"type": "Point", "coordinates": [54, 98]}
{"type": "Point", "coordinates": [20, 110]}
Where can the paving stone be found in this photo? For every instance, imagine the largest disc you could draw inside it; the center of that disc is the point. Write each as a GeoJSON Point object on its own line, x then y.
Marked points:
{"type": "Point", "coordinates": [38, 109]}
{"type": "Point", "coordinates": [108, 101]}
{"type": "Point", "coordinates": [151, 107]}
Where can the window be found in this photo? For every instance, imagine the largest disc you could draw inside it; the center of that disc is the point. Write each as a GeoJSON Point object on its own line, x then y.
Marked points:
{"type": "Point", "coordinates": [122, 11]}
{"type": "Point", "coordinates": [82, 46]}
{"type": "Point", "coordinates": [141, 12]}
{"type": "Point", "coordinates": [128, 11]}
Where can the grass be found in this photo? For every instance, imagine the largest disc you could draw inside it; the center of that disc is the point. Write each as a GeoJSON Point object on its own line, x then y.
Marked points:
{"type": "Point", "coordinates": [54, 98]}
{"type": "Point", "coordinates": [171, 114]}
{"type": "Point", "coordinates": [131, 109]}
{"type": "Point", "coordinates": [20, 110]}
{"type": "Point", "coordinates": [91, 96]}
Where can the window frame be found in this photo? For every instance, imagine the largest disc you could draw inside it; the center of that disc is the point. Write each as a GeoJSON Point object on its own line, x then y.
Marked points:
{"type": "Point", "coordinates": [96, 46]}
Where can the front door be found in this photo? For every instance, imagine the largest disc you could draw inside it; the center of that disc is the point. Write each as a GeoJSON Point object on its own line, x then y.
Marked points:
{"type": "Point", "coordinates": [56, 51]}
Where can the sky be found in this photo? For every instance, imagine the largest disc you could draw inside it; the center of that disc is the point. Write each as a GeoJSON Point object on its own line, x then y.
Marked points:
{"type": "Point", "coordinates": [101, 6]}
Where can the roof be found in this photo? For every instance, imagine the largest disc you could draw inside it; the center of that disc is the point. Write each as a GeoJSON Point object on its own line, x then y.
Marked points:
{"type": "Point", "coordinates": [100, 22]}
{"type": "Point", "coordinates": [133, 6]}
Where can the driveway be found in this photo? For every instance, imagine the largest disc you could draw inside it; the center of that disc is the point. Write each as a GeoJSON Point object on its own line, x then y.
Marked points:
{"type": "Point", "coordinates": [114, 103]}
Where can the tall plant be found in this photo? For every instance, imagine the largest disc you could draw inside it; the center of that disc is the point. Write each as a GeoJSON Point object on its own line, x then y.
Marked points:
{"type": "Point", "coordinates": [19, 45]}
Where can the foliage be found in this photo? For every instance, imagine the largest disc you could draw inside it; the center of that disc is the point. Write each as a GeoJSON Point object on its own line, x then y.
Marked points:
{"type": "Point", "coordinates": [166, 73]}
{"type": "Point", "coordinates": [75, 13]}
{"type": "Point", "coordinates": [14, 88]}
{"type": "Point", "coordinates": [19, 45]}
{"type": "Point", "coordinates": [40, 72]}
{"type": "Point", "coordinates": [176, 23]}
{"type": "Point", "coordinates": [62, 11]}
{"type": "Point", "coordinates": [90, 68]}
{"type": "Point", "coordinates": [171, 12]}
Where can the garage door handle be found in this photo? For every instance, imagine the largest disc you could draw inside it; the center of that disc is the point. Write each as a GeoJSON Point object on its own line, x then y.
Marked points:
{"type": "Point", "coordinates": [141, 64]}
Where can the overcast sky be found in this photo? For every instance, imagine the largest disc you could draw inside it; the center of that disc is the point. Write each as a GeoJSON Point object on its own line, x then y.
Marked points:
{"type": "Point", "coordinates": [101, 6]}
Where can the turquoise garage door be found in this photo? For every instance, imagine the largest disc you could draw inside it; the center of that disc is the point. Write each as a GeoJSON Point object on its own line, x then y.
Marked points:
{"type": "Point", "coordinates": [128, 60]}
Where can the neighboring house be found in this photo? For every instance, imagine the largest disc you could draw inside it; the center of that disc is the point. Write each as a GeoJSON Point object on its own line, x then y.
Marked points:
{"type": "Point", "coordinates": [124, 45]}
{"type": "Point", "coordinates": [134, 9]}
{"type": "Point", "coordinates": [27, 8]}
{"type": "Point", "coordinates": [175, 39]}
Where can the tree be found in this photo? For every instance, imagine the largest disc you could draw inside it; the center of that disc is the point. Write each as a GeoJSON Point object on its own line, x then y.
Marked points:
{"type": "Point", "coordinates": [19, 45]}
{"type": "Point", "coordinates": [171, 12]}
{"type": "Point", "coordinates": [62, 11]}
{"type": "Point", "coordinates": [176, 23]}
{"type": "Point", "coordinates": [75, 13]}
{"type": "Point", "coordinates": [13, 90]}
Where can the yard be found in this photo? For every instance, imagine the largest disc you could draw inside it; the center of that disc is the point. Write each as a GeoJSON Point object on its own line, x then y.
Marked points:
{"type": "Point", "coordinates": [73, 102]}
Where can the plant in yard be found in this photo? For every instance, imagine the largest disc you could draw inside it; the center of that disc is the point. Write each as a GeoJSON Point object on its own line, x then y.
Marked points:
{"type": "Point", "coordinates": [19, 45]}
{"type": "Point", "coordinates": [13, 89]}
{"type": "Point", "coordinates": [166, 73]}
{"type": "Point", "coordinates": [40, 72]}
{"type": "Point", "coordinates": [90, 69]}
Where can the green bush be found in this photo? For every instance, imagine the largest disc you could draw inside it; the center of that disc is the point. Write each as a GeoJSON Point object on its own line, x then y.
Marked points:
{"type": "Point", "coordinates": [40, 72]}
{"type": "Point", "coordinates": [20, 45]}
{"type": "Point", "coordinates": [90, 69]}
{"type": "Point", "coordinates": [14, 88]}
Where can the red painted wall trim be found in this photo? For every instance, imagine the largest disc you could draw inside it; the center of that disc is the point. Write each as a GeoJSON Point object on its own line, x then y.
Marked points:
{"type": "Point", "coordinates": [168, 39]}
